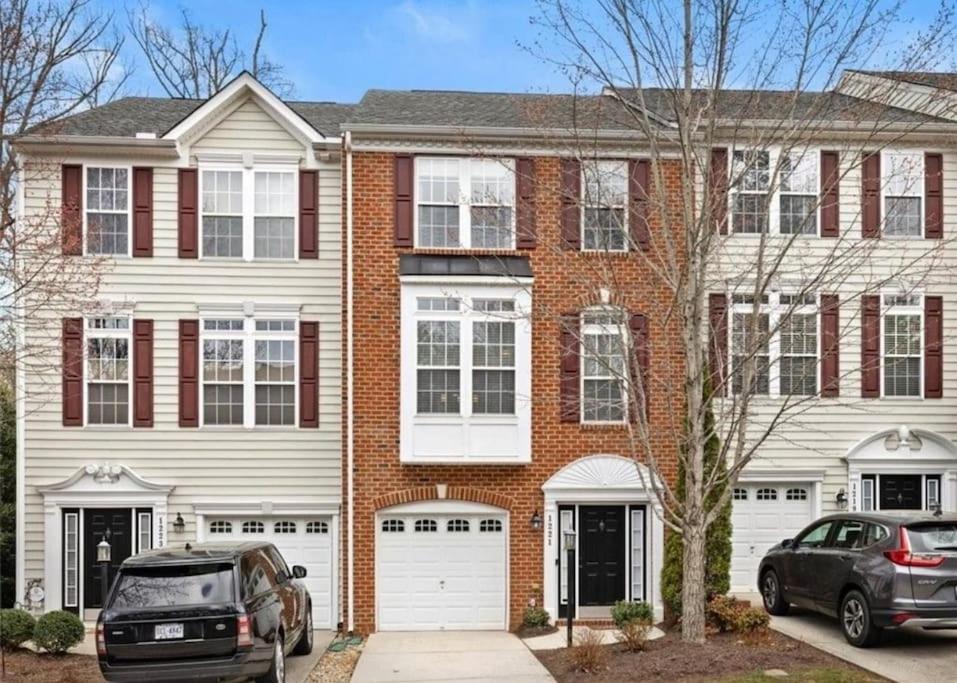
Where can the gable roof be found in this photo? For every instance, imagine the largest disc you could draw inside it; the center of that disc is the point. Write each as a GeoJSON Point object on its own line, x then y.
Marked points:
{"type": "Point", "coordinates": [945, 80]}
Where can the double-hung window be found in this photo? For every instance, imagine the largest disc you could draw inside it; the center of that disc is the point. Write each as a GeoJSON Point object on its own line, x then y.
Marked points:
{"type": "Point", "coordinates": [604, 367]}
{"type": "Point", "coordinates": [902, 344]}
{"type": "Point", "coordinates": [903, 192]}
{"type": "Point", "coordinates": [775, 191]}
{"type": "Point", "coordinates": [604, 206]}
{"type": "Point", "coordinates": [248, 213]}
{"type": "Point", "coordinates": [107, 211]}
{"type": "Point", "coordinates": [798, 195]}
{"type": "Point", "coordinates": [493, 359]}
{"type": "Point", "coordinates": [465, 203]}
{"type": "Point", "coordinates": [108, 371]}
{"type": "Point", "coordinates": [750, 187]}
{"type": "Point", "coordinates": [249, 372]}
{"type": "Point", "coordinates": [783, 343]}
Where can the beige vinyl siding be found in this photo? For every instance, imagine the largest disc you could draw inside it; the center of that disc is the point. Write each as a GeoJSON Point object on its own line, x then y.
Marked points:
{"type": "Point", "coordinates": [820, 436]}
{"type": "Point", "coordinates": [214, 464]}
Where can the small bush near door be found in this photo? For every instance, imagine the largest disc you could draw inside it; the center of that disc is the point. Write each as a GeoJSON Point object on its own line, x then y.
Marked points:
{"type": "Point", "coordinates": [57, 632]}
{"type": "Point", "coordinates": [16, 627]}
{"type": "Point", "coordinates": [535, 617]}
{"type": "Point", "coordinates": [634, 621]}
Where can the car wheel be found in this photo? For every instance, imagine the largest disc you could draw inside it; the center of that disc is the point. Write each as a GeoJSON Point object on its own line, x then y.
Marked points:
{"type": "Point", "coordinates": [856, 622]}
{"type": "Point", "coordinates": [304, 646]}
{"type": "Point", "coordinates": [277, 670]}
{"type": "Point", "coordinates": [774, 602]}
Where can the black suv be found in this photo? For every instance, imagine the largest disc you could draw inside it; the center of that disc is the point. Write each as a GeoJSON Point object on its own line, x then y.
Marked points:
{"type": "Point", "coordinates": [205, 612]}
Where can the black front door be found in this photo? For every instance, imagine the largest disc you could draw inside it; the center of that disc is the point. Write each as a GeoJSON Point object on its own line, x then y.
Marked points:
{"type": "Point", "coordinates": [900, 492]}
{"type": "Point", "coordinates": [601, 567]}
{"type": "Point", "coordinates": [114, 524]}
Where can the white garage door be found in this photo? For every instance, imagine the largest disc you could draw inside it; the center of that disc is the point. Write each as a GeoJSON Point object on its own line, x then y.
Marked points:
{"type": "Point", "coordinates": [764, 515]}
{"type": "Point", "coordinates": [441, 571]}
{"type": "Point", "coordinates": [305, 541]}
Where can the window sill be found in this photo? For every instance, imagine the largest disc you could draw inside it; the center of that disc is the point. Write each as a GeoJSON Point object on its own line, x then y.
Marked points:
{"type": "Point", "coordinates": [252, 261]}
{"type": "Point", "coordinates": [465, 461]}
{"type": "Point", "coordinates": [471, 251]}
{"type": "Point", "coordinates": [604, 426]}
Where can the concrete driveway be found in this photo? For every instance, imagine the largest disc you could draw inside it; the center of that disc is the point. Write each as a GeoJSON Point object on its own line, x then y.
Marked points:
{"type": "Point", "coordinates": [905, 655]}
{"type": "Point", "coordinates": [474, 656]}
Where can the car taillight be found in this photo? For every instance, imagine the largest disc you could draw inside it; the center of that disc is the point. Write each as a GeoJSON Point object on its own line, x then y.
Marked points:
{"type": "Point", "coordinates": [244, 632]}
{"type": "Point", "coordinates": [904, 557]}
{"type": "Point", "coordinates": [902, 617]}
{"type": "Point", "coordinates": [100, 639]}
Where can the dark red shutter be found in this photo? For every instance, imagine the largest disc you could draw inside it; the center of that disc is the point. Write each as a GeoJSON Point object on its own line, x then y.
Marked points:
{"type": "Point", "coordinates": [718, 351]}
{"type": "Point", "coordinates": [72, 372]}
{"type": "Point", "coordinates": [71, 210]}
{"type": "Point", "coordinates": [404, 180]}
{"type": "Point", "coordinates": [830, 345]}
{"type": "Point", "coordinates": [142, 373]}
{"type": "Point", "coordinates": [142, 212]}
{"type": "Point", "coordinates": [933, 196]}
{"type": "Point", "coordinates": [188, 208]}
{"type": "Point", "coordinates": [571, 190]}
{"type": "Point", "coordinates": [718, 183]}
{"type": "Point", "coordinates": [639, 184]}
{"type": "Point", "coordinates": [569, 339]}
{"type": "Point", "coordinates": [830, 194]}
{"type": "Point", "coordinates": [308, 374]}
{"type": "Point", "coordinates": [189, 373]}
{"type": "Point", "coordinates": [871, 195]}
{"type": "Point", "coordinates": [308, 214]}
{"type": "Point", "coordinates": [526, 234]}
{"type": "Point", "coordinates": [871, 346]}
{"type": "Point", "coordinates": [639, 337]}
{"type": "Point", "coordinates": [933, 347]}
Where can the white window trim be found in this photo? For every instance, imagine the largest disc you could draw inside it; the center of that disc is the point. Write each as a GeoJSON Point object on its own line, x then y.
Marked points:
{"type": "Point", "coordinates": [249, 335]}
{"type": "Point", "coordinates": [623, 332]}
{"type": "Point", "coordinates": [775, 310]}
{"type": "Point", "coordinates": [585, 204]}
{"type": "Point", "coordinates": [464, 203]}
{"type": "Point", "coordinates": [129, 210]}
{"type": "Point", "coordinates": [917, 191]}
{"type": "Point", "coordinates": [114, 334]}
{"type": "Point", "coordinates": [918, 310]}
{"type": "Point", "coordinates": [774, 204]}
{"type": "Point", "coordinates": [410, 417]}
{"type": "Point", "coordinates": [873, 481]}
{"type": "Point", "coordinates": [249, 209]}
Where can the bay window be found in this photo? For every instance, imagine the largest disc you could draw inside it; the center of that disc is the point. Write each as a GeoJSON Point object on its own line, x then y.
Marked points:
{"type": "Point", "coordinates": [108, 373]}
{"type": "Point", "coordinates": [787, 207]}
{"type": "Point", "coordinates": [465, 203]}
{"type": "Point", "coordinates": [604, 364]}
{"type": "Point", "coordinates": [604, 206]}
{"type": "Point", "coordinates": [902, 344]}
{"type": "Point", "coordinates": [249, 372]}
{"type": "Point", "coordinates": [903, 191]}
{"type": "Point", "coordinates": [107, 211]}
{"type": "Point", "coordinates": [248, 213]}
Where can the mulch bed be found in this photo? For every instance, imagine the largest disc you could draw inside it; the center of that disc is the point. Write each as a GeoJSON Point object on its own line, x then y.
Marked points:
{"type": "Point", "coordinates": [724, 655]}
{"type": "Point", "coordinates": [25, 665]}
{"type": "Point", "coordinates": [534, 631]}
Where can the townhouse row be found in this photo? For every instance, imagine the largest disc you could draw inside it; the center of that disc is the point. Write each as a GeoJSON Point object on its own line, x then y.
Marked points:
{"type": "Point", "coordinates": [383, 336]}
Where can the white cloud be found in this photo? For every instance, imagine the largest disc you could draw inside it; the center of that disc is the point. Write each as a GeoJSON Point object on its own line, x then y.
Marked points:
{"type": "Point", "coordinates": [438, 25]}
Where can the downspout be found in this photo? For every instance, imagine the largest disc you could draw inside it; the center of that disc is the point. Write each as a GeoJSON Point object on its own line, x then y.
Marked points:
{"type": "Point", "coordinates": [19, 400]}
{"type": "Point", "coordinates": [350, 455]}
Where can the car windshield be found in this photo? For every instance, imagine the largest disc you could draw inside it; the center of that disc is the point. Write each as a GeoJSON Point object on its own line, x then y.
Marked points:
{"type": "Point", "coordinates": [190, 584]}
{"type": "Point", "coordinates": [930, 537]}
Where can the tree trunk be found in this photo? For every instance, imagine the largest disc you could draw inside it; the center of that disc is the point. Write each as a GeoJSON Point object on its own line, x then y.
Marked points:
{"type": "Point", "coordinates": [693, 596]}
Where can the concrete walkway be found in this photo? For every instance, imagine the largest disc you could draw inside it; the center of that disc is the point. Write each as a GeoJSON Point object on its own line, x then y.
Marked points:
{"type": "Point", "coordinates": [474, 656]}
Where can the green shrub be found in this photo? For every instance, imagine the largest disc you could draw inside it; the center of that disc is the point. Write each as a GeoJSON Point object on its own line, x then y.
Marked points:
{"type": "Point", "coordinates": [625, 612]}
{"type": "Point", "coordinates": [728, 614]}
{"type": "Point", "coordinates": [535, 616]}
{"type": "Point", "coordinates": [16, 627]}
{"type": "Point", "coordinates": [634, 634]}
{"type": "Point", "coordinates": [57, 632]}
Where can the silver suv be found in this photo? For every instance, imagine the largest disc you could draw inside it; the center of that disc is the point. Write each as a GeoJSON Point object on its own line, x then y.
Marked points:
{"type": "Point", "coordinates": [870, 570]}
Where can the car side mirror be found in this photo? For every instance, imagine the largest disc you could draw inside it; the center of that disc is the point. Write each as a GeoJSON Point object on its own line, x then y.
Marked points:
{"type": "Point", "coordinates": [298, 571]}
{"type": "Point", "coordinates": [787, 543]}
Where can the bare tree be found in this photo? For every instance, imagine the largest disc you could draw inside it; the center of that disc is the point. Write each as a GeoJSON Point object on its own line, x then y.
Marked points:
{"type": "Point", "coordinates": [731, 102]}
{"type": "Point", "coordinates": [194, 61]}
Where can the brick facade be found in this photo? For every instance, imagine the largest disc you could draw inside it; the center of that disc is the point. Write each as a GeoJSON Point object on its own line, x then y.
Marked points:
{"type": "Point", "coordinates": [564, 281]}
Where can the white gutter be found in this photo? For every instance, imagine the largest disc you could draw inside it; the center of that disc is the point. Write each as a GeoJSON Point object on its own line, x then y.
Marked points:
{"type": "Point", "coordinates": [350, 455]}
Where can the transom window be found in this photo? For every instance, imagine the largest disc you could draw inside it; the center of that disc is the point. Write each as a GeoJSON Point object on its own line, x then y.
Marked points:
{"type": "Point", "coordinates": [249, 372]}
{"type": "Point", "coordinates": [488, 526]}
{"type": "Point", "coordinates": [107, 211]}
{"type": "Point", "coordinates": [254, 527]}
{"type": "Point", "coordinates": [767, 494]}
{"type": "Point", "coordinates": [457, 525]}
{"type": "Point", "coordinates": [248, 213]}
{"type": "Point", "coordinates": [775, 191]}
{"type": "Point", "coordinates": [902, 344]}
{"type": "Point", "coordinates": [604, 205]}
{"type": "Point", "coordinates": [317, 528]}
{"type": "Point", "coordinates": [604, 365]}
{"type": "Point", "coordinates": [284, 527]}
{"type": "Point", "coordinates": [108, 371]}
{"type": "Point", "coordinates": [391, 526]}
{"type": "Point", "coordinates": [783, 344]}
{"type": "Point", "coordinates": [426, 525]}
{"type": "Point", "coordinates": [467, 203]}
{"type": "Point", "coordinates": [903, 193]}
{"type": "Point", "coordinates": [220, 527]}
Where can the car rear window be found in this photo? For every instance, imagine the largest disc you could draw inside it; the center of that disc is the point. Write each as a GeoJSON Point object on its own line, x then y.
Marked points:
{"type": "Point", "coordinates": [930, 537]}
{"type": "Point", "coordinates": [190, 584]}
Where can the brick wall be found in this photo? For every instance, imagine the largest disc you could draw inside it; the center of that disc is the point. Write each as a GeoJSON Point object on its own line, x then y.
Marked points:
{"type": "Point", "coordinates": [564, 281]}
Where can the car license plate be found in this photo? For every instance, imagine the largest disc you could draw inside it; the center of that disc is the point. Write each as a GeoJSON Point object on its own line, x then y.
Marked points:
{"type": "Point", "coordinates": [168, 631]}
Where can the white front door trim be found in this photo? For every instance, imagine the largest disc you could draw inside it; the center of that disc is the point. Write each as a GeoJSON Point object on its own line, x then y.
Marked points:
{"type": "Point", "coordinates": [599, 479]}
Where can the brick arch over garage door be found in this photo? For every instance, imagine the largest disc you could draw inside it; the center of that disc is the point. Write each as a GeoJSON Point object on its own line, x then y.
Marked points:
{"type": "Point", "coordinates": [462, 493]}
